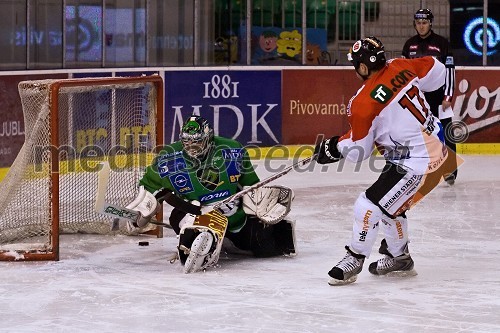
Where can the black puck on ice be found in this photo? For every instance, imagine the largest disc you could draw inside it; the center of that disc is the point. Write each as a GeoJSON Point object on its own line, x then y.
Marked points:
{"type": "Point", "coordinates": [143, 243]}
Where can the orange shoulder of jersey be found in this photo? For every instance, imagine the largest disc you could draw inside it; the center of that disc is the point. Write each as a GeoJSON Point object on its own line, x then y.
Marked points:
{"type": "Point", "coordinates": [380, 90]}
{"type": "Point", "coordinates": [420, 66]}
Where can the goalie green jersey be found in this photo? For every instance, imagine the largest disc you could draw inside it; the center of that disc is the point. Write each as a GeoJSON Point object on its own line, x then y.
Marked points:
{"type": "Point", "coordinates": [224, 172]}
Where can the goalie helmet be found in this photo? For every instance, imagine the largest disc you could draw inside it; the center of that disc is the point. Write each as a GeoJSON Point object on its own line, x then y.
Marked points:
{"type": "Point", "coordinates": [424, 14]}
{"type": "Point", "coordinates": [197, 137]}
{"type": "Point", "coordinates": [369, 51]}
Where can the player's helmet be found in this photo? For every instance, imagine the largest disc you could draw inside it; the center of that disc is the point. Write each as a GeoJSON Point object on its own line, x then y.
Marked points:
{"type": "Point", "coordinates": [424, 14]}
{"type": "Point", "coordinates": [369, 51]}
{"type": "Point", "coordinates": [197, 137]}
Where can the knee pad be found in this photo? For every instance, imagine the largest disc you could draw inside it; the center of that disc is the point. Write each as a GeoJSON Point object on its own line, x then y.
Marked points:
{"type": "Point", "coordinates": [365, 228]}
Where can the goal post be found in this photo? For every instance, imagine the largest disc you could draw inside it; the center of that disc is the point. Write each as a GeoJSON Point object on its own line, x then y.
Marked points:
{"type": "Point", "coordinates": [71, 126]}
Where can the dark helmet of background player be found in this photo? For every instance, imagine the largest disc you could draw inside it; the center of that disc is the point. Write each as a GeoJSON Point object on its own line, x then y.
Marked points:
{"type": "Point", "coordinates": [197, 137]}
{"type": "Point", "coordinates": [423, 14]}
{"type": "Point", "coordinates": [369, 51]}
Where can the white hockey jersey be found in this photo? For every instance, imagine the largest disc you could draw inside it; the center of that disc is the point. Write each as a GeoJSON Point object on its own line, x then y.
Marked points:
{"type": "Point", "coordinates": [389, 113]}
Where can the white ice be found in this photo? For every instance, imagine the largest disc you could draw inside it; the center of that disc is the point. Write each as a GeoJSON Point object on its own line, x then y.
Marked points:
{"type": "Point", "coordinates": [106, 284]}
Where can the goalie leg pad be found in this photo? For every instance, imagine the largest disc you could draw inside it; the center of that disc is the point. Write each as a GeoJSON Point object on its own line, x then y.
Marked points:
{"type": "Point", "coordinates": [284, 234]}
{"type": "Point", "coordinates": [199, 248]}
{"type": "Point", "coordinates": [192, 247]}
{"type": "Point", "coordinates": [264, 240]}
{"type": "Point", "coordinates": [199, 253]}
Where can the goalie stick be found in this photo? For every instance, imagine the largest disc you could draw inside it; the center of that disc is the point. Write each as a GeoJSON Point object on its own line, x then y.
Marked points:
{"type": "Point", "coordinates": [112, 210]}
{"type": "Point", "coordinates": [119, 212]}
{"type": "Point", "coordinates": [266, 181]}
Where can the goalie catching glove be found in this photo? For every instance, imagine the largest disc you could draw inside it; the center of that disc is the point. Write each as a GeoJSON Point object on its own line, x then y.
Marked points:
{"type": "Point", "coordinates": [327, 151]}
{"type": "Point", "coordinates": [269, 203]}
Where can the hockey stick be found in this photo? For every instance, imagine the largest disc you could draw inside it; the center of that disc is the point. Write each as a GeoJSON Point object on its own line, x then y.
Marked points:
{"type": "Point", "coordinates": [119, 212]}
{"type": "Point", "coordinates": [112, 210]}
{"type": "Point", "coordinates": [266, 181]}
{"type": "Point", "coordinates": [190, 208]}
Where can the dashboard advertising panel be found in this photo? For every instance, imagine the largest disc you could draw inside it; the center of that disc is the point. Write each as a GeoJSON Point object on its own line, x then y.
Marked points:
{"type": "Point", "coordinates": [242, 105]}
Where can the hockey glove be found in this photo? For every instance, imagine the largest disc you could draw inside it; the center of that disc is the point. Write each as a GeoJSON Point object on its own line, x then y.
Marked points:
{"type": "Point", "coordinates": [327, 151]}
{"type": "Point", "coordinates": [269, 203]}
{"type": "Point", "coordinates": [146, 204]}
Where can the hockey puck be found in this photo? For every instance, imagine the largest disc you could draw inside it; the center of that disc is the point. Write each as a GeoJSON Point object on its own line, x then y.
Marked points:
{"type": "Point", "coordinates": [144, 243]}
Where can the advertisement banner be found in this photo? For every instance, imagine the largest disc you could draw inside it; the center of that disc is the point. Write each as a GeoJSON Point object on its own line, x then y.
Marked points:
{"type": "Point", "coordinates": [477, 104]}
{"type": "Point", "coordinates": [315, 102]}
{"type": "Point", "coordinates": [11, 118]}
{"type": "Point", "coordinates": [242, 105]}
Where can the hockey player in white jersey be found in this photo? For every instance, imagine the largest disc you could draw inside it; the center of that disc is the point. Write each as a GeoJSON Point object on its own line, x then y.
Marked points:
{"type": "Point", "coordinates": [389, 113]}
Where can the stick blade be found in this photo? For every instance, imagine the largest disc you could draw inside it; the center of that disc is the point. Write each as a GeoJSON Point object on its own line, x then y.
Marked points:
{"type": "Point", "coordinates": [102, 185]}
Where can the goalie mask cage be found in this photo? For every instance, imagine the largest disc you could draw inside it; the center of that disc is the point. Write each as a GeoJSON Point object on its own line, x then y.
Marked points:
{"type": "Point", "coordinates": [72, 125]}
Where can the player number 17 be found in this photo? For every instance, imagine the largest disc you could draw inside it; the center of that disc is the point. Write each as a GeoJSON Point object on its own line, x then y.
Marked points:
{"type": "Point", "coordinates": [422, 116]}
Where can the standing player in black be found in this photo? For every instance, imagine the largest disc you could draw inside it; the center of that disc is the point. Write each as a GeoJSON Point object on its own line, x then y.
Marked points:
{"type": "Point", "coordinates": [427, 43]}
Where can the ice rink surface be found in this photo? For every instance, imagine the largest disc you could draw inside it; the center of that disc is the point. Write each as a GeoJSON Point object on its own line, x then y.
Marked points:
{"type": "Point", "coordinates": [110, 284]}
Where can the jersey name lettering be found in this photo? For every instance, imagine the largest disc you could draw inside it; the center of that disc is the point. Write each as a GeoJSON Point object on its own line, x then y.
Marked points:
{"type": "Point", "coordinates": [401, 79]}
{"type": "Point", "coordinates": [216, 195]}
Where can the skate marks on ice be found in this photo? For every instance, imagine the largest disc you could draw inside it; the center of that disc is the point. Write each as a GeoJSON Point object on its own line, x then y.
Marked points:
{"type": "Point", "coordinates": [112, 284]}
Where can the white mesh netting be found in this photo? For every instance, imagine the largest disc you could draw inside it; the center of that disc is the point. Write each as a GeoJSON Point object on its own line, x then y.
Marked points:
{"type": "Point", "coordinates": [95, 122]}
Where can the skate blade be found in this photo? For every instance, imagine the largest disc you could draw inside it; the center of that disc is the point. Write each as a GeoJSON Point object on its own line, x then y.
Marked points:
{"type": "Point", "coordinates": [335, 282]}
{"type": "Point", "coordinates": [402, 274]}
{"type": "Point", "coordinates": [398, 274]}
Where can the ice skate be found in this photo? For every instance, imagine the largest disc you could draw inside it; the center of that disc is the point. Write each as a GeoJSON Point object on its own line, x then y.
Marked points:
{"type": "Point", "coordinates": [393, 266]}
{"type": "Point", "coordinates": [450, 179]}
{"type": "Point", "coordinates": [347, 270]}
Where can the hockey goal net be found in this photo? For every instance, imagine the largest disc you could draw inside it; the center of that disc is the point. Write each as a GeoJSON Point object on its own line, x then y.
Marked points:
{"type": "Point", "coordinates": [71, 126]}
